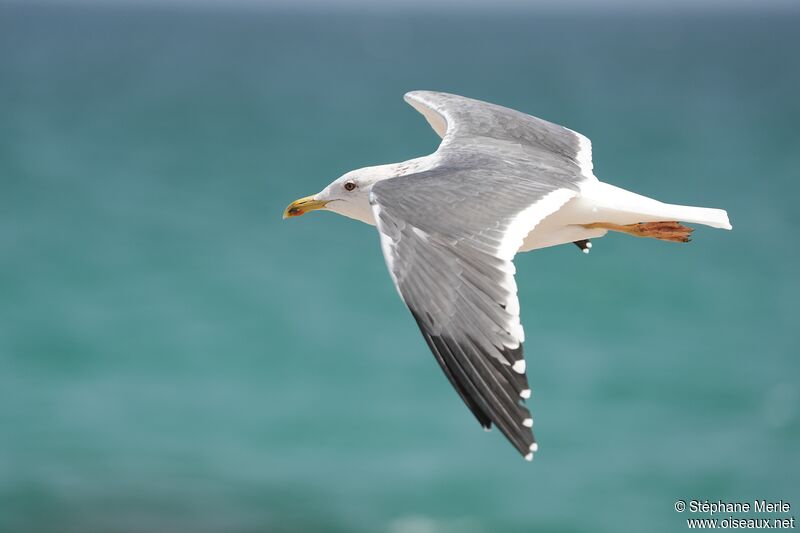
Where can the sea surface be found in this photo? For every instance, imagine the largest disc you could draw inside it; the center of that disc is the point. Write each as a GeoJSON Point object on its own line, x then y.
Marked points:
{"type": "Point", "coordinates": [176, 358]}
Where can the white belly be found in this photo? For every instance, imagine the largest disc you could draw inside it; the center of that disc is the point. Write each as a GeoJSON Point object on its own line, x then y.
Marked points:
{"type": "Point", "coordinates": [562, 226]}
{"type": "Point", "coordinates": [596, 202]}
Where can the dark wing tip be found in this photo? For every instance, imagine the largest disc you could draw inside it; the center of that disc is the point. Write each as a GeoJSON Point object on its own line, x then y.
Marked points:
{"type": "Point", "coordinates": [492, 391]}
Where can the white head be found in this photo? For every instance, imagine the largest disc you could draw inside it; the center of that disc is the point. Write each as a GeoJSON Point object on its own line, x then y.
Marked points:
{"type": "Point", "coordinates": [348, 195]}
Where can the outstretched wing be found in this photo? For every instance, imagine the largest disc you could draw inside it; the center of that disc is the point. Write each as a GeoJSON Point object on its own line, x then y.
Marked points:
{"type": "Point", "coordinates": [448, 238]}
{"type": "Point", "coordinates": [459, 120]}
{"type": "Point", "coordinates": [449, 234]}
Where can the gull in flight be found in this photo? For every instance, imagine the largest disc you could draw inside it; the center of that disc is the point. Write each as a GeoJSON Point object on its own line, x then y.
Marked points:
{"type": "Point", "coordinates": [450, 223]}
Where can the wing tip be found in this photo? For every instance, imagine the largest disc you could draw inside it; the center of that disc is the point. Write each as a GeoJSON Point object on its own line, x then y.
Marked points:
{"type": "Point", "coordinates": [421, 93]}
{"type": "Point", "coordinates": [416, 96]}
{"type": "Point", "coordinates": [425, 103]}
{"type": "Point", "coordinates": [532, 449]}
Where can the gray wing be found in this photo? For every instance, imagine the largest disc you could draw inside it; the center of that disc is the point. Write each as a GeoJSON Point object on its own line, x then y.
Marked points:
{"type": "Point", "coordinates": [464, 121]}
{"type": "Point", "coordinates": [448, 237]}
{"type": "Point", "coordinates": [449, 234]}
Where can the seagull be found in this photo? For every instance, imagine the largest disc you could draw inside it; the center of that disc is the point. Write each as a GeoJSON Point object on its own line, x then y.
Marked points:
{"type": "Point", "coordinates": [450, 224]}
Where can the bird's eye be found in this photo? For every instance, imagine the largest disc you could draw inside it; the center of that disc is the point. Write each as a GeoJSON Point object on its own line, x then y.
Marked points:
{"type": "Point", "coordinates": [349, 186]}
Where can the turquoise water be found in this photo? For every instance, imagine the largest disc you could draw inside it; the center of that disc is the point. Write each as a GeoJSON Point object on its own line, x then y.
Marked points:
{"type": "Point", "coordinates": [174, 357]}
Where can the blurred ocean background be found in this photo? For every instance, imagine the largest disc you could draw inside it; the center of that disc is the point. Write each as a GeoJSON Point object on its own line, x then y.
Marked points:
{"type": "Point", "coordinates": [175, 357]}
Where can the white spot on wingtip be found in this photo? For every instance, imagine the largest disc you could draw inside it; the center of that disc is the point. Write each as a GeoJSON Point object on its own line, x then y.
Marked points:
{"type": "Point", "coordinates": [534, 447]}
{"type": "Point", "coordinates": [589, 244]}
{"type": "Point", "coordinates": [528, 422]}
{"type": "Point", "coordinates": [525, 393]}
{"type": "Point", "coordinates": [529, 457]}
{"type": "Point", "coordinates": [586, 250]}
{"type": "Point", "coordinates": [487, 430]}
{"type": "Point", "coordinates": [519, 366]}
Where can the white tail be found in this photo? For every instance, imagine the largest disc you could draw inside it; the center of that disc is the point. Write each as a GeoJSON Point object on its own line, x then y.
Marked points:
{"type": "Point", "coordinates": [618, 206]}
{"type": "Point", "coordinates": [716, 218]}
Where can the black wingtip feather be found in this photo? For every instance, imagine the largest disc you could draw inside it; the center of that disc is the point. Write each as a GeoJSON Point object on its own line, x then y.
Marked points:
{"type": "Point", "coordinates": [479, 414]}
{"type": "Point", "coordinates": [492, 398]}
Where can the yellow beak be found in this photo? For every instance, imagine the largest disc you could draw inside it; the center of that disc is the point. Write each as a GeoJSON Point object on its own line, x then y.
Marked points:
{"type": "Point", "coordinates": [303, 206]}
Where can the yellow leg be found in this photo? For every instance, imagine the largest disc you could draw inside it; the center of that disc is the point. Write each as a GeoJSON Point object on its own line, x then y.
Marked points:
{"type": "Point", "coordinates": [665, 231]}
